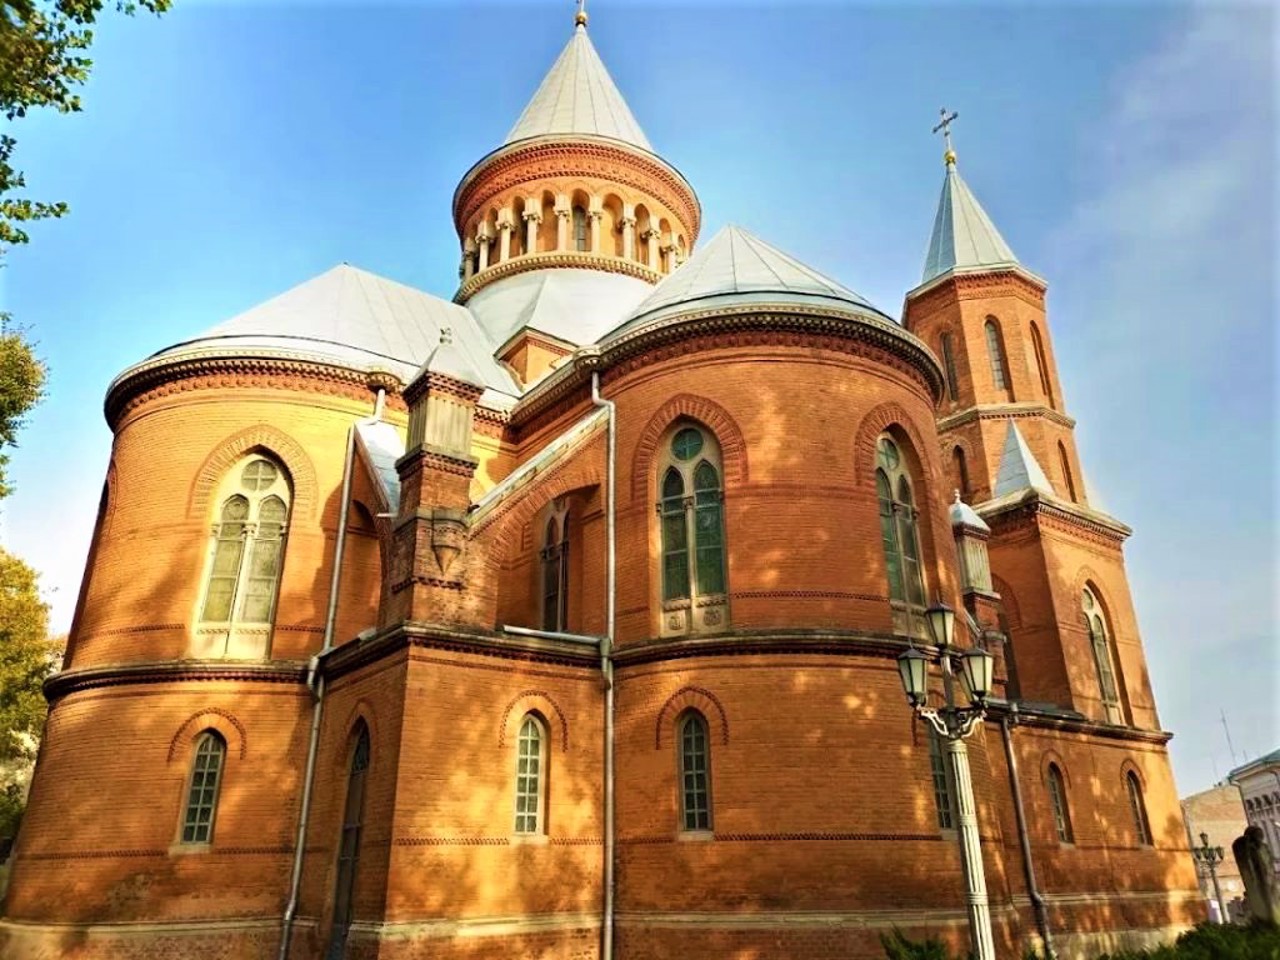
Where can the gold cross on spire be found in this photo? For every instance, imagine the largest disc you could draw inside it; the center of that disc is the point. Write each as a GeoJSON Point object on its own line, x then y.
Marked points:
{"type": "Point", "coordinates": [580, 18]}
{"type": "Point", "coordinates": [945, 126]}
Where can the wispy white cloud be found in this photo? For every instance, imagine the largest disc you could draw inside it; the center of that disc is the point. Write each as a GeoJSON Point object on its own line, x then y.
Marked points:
{"type": "Point", "coordinates": [1168, 263]}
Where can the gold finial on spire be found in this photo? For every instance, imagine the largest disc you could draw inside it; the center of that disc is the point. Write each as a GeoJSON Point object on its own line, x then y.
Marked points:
{"type": "Point", "coordinates": [949, 157]}
{"type": "Point", "coordinates": [580, 18]}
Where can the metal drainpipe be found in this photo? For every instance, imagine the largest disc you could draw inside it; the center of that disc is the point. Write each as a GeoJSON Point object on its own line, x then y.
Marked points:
{"type": "Point", "coordinates": [606, 661]}
{"type": "Point", "coordinates": [315, 681]}
{"type": "Point", "coordinates": [1037, 901]}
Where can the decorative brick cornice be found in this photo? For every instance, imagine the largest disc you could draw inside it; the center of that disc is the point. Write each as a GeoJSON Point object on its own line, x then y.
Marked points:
{"type": "Point", "coordinates": [845, 643]}
{"type": "Point", "coordinates": [173, 671]}
{"type": "Point", "coordinates": [1004, 411]}
{"type": "Point", "coordinates": [954, 286]}
{"type": "Point", "coordinates": [173, 375]}
{"type": "Point", "coordinates": [558, 157]}
{"type": "Point", "coordinates": [441, 383]}
{"type": "Point", "coordinates": [1024, 716]}
{"type": "Point", "coordinates": [1035, 510]}
{"type": "Point", "coordinates": [558, 259]}
{"type": "Point", "coordinates": [840, 331]}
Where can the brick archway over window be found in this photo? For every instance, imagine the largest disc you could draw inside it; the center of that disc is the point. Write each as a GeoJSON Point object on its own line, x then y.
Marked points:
{"type": "Point", "coordinates": [700, 699]}
{"type": "Point", "coordinates": [270, 441]}
{"type": "Point", "coordinates": [733, 446]}
{"type": "Point", "coordinates": [533, 701]}
{"type": "Point", "coordinates": [211, 718]}
{"type": "Point", "coordinates": [876, 422]}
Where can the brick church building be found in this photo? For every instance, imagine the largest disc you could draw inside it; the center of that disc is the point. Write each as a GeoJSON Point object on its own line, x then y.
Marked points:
{"type": "Point", "coordinates": [559, 619]}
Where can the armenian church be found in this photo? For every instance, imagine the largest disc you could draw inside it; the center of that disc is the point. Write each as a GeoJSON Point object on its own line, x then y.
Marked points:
{"type": "Point", "coordinates": [562, 619]}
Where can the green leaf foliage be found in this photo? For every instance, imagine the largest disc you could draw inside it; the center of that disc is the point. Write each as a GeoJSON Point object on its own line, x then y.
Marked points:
{"type": "Point", "coordinates": [22, 380]}
{"type": "Point", "coordinates": [43, 45]}
{"type": "Point", "coordinates": [1211, 941]}
{"type": "Point", "coordinates": [27, 657]}
{"type": "Point", "coordinates": [897, 946]}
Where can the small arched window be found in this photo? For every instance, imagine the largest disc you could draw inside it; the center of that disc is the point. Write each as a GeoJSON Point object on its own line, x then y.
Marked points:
{"type": "Point", "coordinates": [581, 241]}
{"type": "Point", "coordinates": [248, 544]}
{"type": "Point", "coordinates": [1042, 368]}
{"type": "Point", "coordinates": [900, 537]}
{"type": "Point", "coordinates": [1141, 826]}
{"type": "Point", "coordinates": [531, 776]}
{"type": "Point", "coordinates": [695, 772]}
{"type": "Point", "coordinates": [1101, 645]}
{"type": "Point", "coordinates": [949, 366]}
{"type": "Point", "coordinates": [691, 515]}
{"type": "Point", "coordinates": [941, 782]}
{"type": "Point", "coordinates": [349, 842]}
{"type": "Point", "coordinates": [1066, 472]}
{"type": "Point", "coordinates": [995, 350]}
{"type": "Point", "coordinates": [962, 473]}
{"type": "Point", "coordinates": [1058, 799]}
{"type": "Point", "coordinates": [203, 787]}
{"type": "Point", "coordinates": [555, 573]}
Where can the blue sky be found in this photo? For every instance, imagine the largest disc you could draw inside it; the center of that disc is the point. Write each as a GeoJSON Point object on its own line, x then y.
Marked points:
{"type": "Point", "coordinates": [1126, 151]}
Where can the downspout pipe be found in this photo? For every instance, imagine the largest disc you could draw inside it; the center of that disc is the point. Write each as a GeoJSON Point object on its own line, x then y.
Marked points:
{"type": "Point", "coordinates": [606, 660]}
{"type": "Point", "coordinates": [1037, 899]}
{"type": "Point", "coordinates": [316, 680]}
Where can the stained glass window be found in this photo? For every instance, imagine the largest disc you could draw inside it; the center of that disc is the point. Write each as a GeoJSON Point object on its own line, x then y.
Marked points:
{"type": "Point", "coordinates": [202, 794]}
{"type": "Point", "coordinates": [675, 542]}
{"type": "Point", "coordinates": [695, 792]}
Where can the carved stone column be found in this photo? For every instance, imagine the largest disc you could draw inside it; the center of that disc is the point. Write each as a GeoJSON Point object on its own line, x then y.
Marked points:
{"type": "Point", "coordinates": [563, 213]}
{"type": "Point", "coordinates": [651, 238]}
{"type": "Point", "coordinates": [531, 221]}
{"type": "Point", "coordinates": [468, 259]}
{"type": "Point", "coordinates": [628, 224]}
{"type": "Point", "coordinates": [482, 246]}
{"type": "Point", "coordinates": [594, 217]}
{"type": "Point", "coordinates": [505, 227]}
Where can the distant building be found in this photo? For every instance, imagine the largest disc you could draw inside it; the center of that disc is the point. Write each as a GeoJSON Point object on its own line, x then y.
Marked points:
{"type": "Point", "coordinates": [1259, 784]}
{"type": "Point", "coordinates": [1218, 813]}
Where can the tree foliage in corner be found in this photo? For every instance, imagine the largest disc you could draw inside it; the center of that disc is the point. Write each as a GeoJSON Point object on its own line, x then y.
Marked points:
{"type": "Point", "coordinates": [42, 60]}
{"type": "Point", "coordinates": [27, 657]}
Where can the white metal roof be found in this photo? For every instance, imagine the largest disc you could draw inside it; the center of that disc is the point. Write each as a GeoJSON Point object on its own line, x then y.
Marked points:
{"type": "Point", "coordinates": [380, 447]}
{"type": "Point", "coordinates": [358, 320]}
{"type": "Point", "coordinates": [579, 96]}
{"type": "Point", "coordinates": [963, 235]}
{"type": "Point", "coordinates": [1019, 469]}
{"type": "Point", "coordinates": [736, 267]}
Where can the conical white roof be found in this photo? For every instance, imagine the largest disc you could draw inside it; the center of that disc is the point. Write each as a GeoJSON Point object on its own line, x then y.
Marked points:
{"type": "Point", "coordinates": [963, 234]}
{"type": "Point", "coordinates": [1019, 469]}
{"type": "Point", "coordinates": [358, 320]}
{"type": "Point", "coordinates": [738, 267]}
{"type": "Point", "coordinates": [579, 96]}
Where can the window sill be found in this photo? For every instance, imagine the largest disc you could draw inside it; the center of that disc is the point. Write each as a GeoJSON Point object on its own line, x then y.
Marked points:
{"type": "Point", "coordinates": [190, 849]}
{"type": "Point", "coordinates": [695, 836]}
{"type": "Point", "coordinates": [529, 839]}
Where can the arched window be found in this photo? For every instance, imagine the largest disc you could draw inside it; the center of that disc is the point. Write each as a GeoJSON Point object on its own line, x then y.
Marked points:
{"type": "Point", "coordinates": [901, 540]}
{"type": "Point", "coordinates": [1058, 798]}
{"type": "Point", "coordinates": [962, 473]}
{"type": "Point", "coordinates": [555, 573]}
{"type": "Point", "coordinates": [695, 772]}
{"type": "Point", "coordinates": [941, 782]}
{"type": "Point", "coordinates": [1041, 367]}
{"type": "Point", "coordinates": [202, 791]}
{"type": "Point", "coordinates": [691, 515]}
{"type": "Point", "coordinates": [1099, 641]}
{"type": "Point", "coordinates": [248, 544]}
{"type": "Point", "coordinates": [995, 350]}
{"type": "Point", "coordinates": [949, 366]}
{"type": "Point", "coordinates": [531, 776]}
{"type": "Point", "coordinates": [1066, 472]}
{"type": "Point", "coordinates": [1141, 827]}
{"type": "Point", "coordinates": [349, 843]}
{"type": "Point", "coordinates": [581, 241]}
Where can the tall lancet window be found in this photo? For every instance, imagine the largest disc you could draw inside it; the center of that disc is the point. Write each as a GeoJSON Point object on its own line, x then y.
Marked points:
{"type": "Point", "coordinates": [1066, 472]}
{"type": "Point", "coordinates": [1041, 366]}
{"type": "Point", "coordinates": [995, 350]}
{"type": "Point", "coordinates": [949, 366]}
{"type": "Point", "coordinates": [691, 518]}
{"type": "Point", "coordinates": [246, 551]}
{"type": "Point", "coordinates": [531, 776]}
{"type": "Point", "coordinates": [898, 519]}
{"type": "Point", "coordinates": [1099, 640]}
{"type": "Point", "coordinates": [203, 787]}
{"type": "Point", "coordinates": [581, 240]}
{"type": "Point", "coordinates": [349, 843]}
{"type": "Point", "coordinates": [555, 572]}
{"type": "Point", "coordinates": [695, 772]}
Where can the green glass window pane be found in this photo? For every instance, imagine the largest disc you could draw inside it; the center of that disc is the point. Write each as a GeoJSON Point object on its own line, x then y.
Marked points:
{"type": "Point", "coordinates": [675, 557]}
{"type": "Point", "coordinates": [258, 475]}
{"type": "Point", "coordinates": [888, 456]}
{"type": "Point", "coordinates": [686, 444]}
{"type": "Point", "coordinates": [672, 484]}
{"type": "Point", "coordinates": [892, 555]}
{"type": "Point", "coordinates": [236, 509]}
{"type": "Point", "coordinates": [705, 477]}
{"type": "Point", "coordinates": [710, 570]}
{"type": "Point", "coordinates": [904, 491]}
{"type": "Point", "coordinates": [202, 796]}
{"type": "Point", "coordinates": [272, 510]}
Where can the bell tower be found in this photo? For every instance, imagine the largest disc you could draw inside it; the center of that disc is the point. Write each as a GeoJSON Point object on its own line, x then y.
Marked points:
{"type": "Point", "coordinates": [983, 314]}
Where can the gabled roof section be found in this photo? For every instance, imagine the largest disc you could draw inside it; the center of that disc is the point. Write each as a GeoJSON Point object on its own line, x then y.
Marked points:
{"type": "Point", "coordinates": [736, 267]}
{"type": "Point", "coordinates": [579, 97]}
{"type": "Point", "coordinates": [964, 238]}
{"type": "Point", "coordinates": [355, 319]}
{"type": "Point", "coordinates": [1019, 469]}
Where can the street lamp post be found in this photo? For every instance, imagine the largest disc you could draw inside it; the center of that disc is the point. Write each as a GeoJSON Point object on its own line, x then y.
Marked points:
{"type": "Point", "coordinates": [953, 724]}
{"type": "Point", "coordinates": [1209, 858]}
